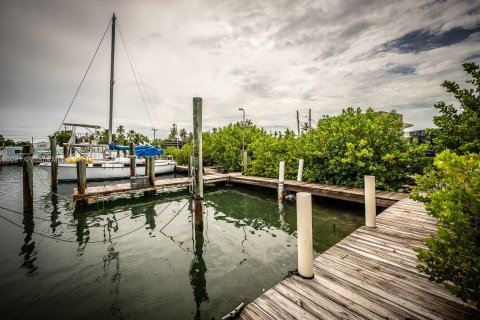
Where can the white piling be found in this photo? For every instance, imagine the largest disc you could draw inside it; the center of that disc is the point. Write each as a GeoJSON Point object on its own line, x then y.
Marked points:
{"type": "Point", "coordinates": [300, 170]}
{"type": "Point", "coordinates": [281, 181]}
{"type": "Point", "coordinates": [370, 202]}
{"type": "Point", "coordinates": [304, 234]}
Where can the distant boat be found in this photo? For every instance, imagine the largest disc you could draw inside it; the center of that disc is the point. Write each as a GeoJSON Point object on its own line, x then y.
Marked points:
{"type": "Point", "coordinates": [100, 164]}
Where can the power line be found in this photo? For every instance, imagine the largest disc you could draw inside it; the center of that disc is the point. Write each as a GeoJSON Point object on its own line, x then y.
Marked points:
{"type": "Point", "coordinates": [72, 241]}
{"type": "Point", "coordinates": [127, 46]}
{"type": "Point", "coordinates": [85, 75]}
{"type": "Point", "coordinates": [135, 75]}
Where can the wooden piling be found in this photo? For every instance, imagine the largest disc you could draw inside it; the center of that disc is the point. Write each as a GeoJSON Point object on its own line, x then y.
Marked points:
{"type": "Point", "coordinates": [300, 170]}
{"type": "Point", "coordinates": [27, 178]}
{"type": "Point", "coordinates": [198, 212]}
{"type": "Point", "coordinates": [197, 148]}
{"type": "Point", "coordinates": [281, 181]}
{"type": "Point", "coordinates": [65, 152]}
{"type": "Point", "coordinates": [190, 165]}
{"type": "Point", "coordinates": [133, 158]}
{"type": "Point", "coordinates": [244, 160]}
{"type": "Point", "coordinates": [370, 202]}
{"type": "Point", "coordinates": [81, 176]}
{"type": "Point", "coordinates": [151, 171]}
{"type": "Point", "coordinates": [53, 161]}
{"type": "Point", "coordinates": [304, 234]}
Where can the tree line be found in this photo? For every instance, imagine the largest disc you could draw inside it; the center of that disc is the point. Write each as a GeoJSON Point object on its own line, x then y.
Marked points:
{"type": "Point", "coordinates": [121, 136]}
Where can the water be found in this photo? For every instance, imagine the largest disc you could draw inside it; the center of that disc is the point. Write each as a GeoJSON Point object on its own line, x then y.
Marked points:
{"type": "Point", "coordinates": [140, 258]}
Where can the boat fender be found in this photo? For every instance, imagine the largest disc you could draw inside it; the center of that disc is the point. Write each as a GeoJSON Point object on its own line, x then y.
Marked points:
{"type": "Point", "coordinates": [290, 197]}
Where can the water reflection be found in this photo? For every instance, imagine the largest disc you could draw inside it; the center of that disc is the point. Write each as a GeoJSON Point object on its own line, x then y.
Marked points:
{"type": "Point", "coordinates": [82, 232]}
{"type": "Point", "coordinates": [150, 215]}
{"type": "Point", "coordinates": [281, 215]}
{"type": "Point", "coordinates": [198, 267]}
{"type": "Point", "coordinates": [111, 272]}
{"type": "Point", "coordinates": [332, 220]}
{"type": "Point", "coordinates": [54, 214]}
{"type": "Point", "coordinates": [28, 247]}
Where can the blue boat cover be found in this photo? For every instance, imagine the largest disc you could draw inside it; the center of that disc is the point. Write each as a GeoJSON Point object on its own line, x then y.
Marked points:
{"type": "Point", "coordinates": [140, 151]}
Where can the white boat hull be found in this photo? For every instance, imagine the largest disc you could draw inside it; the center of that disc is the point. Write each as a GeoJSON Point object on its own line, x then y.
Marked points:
{"type": "Point", "coordinates": [107, 170]}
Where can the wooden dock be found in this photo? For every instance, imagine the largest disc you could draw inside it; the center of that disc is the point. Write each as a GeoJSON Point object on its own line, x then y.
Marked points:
{"type": "Point", "coordinates": [384, 198]}
{"type": "Point", "coordinates": [370, 274]}
{"type": "Point", "coordinates": [93, 193]}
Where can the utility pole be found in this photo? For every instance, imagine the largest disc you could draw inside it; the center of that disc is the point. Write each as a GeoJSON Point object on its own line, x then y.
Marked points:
{"type": "Point", "coordinates": [154, 130]}
{"type": "Point", "coordinates": [298, 123]}
{"type": "Point", "coordinates": [175, 130]}
{"type": "Point", "coordinates": [243, 128]}
{"type": "Point", "coordinates": [310, 118]}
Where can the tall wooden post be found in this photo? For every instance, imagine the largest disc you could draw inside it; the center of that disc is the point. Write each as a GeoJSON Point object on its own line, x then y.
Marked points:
{"type": "Point", "coordinates": [197, 148]}
{"type": "Point", "coordinates": [244, 160]}
{"type": "Point", "coordinates": [133, 162]}
{"type": "Point", "coordinates": [190, 165]}
{"type": "Point", "coordinates": [53, 161]}
{"type": "Point", "coordinates": [65, 152]}
{"type": "Point", "coordinates": [151, 171]}
{"type": "Point", "coordinates": [27, 178]}
{"type": "Point", "coordinates": [81, 176]}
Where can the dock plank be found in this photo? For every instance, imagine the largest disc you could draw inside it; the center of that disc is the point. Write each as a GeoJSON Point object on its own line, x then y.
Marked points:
{"type": "Point", "coordinates": [383, 198]}
{"type": "Point", "coordinates": [371, 274]}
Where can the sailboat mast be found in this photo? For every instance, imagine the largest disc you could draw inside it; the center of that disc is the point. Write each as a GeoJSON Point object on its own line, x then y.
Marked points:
{"type": "Point", "coordinates": [112, 81]}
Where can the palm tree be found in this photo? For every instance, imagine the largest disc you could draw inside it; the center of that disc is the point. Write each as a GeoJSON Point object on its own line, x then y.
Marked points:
{"type": "Point", "coordinates": [173, 132]}
{"type": "Point", "coordinates": [130, 135]}
{"type": "Point", "coordinates": [183, 134]}
{"type": "Point", "coordinates": [120, 130]}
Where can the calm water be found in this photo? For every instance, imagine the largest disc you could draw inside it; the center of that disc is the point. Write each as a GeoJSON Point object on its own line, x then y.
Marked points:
{"type": "Point", "coordinates": [145, 259]}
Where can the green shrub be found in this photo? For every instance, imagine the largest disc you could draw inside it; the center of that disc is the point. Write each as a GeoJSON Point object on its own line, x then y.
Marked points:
{"type": "Point", "coordinates": [459, 129]}
{"type": "Point", "coordinates": [182, 155]}
{"type": "Point", "coordinates": [342, 149]}
{"type": "Point", "coordinates": [451, 193]}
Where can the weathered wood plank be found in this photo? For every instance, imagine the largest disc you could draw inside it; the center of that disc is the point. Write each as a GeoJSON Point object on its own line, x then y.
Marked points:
{"type": "Point", "coordinates": [318, 303]}
{"type": "Point", "coordinates": [321, 289]}
{"type": "Point", "coordinates": [372, 274]}
{"type": "Point", "coordinates": [420, 297]}
{"type": "Point", "coordinates": [254, 312]}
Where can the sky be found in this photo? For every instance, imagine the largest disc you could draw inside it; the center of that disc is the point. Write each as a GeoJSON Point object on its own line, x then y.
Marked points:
{"type": "Point", "coordinates": [271, 58]}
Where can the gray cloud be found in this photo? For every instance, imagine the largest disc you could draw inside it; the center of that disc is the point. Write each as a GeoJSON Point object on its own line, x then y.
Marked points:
{"type": "Point", "coordinates": [262, 55]}
{"type": "Point", "coordinates": [424, 40]}
{"type": "Point", "coordinates": [402, 69]}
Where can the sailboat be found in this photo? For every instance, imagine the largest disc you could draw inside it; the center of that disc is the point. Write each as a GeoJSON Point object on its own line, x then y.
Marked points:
{"type": "Point", "coordinates": [101, 164]}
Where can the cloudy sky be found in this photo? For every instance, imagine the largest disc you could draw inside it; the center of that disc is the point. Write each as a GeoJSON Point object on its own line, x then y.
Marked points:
{"type": "Point", "coordinates": [270, 57]}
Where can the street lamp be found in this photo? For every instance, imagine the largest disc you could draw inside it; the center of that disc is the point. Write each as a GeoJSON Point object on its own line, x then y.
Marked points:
{"type": "Point", "coordinates": [243, 128]}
